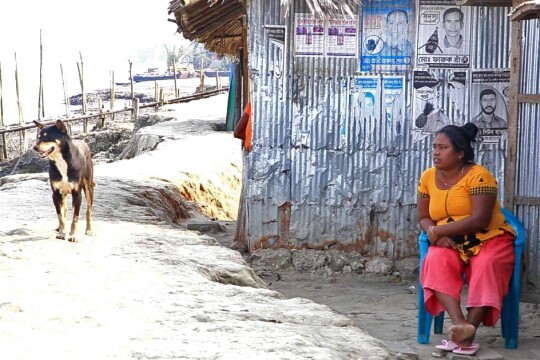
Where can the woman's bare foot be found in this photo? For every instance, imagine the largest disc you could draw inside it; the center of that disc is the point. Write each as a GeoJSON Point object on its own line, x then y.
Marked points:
{"type": "Point", "coordinates": [462, 334]}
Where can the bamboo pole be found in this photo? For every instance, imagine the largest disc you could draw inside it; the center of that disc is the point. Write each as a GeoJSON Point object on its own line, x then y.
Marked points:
{"type": "Point", "coordinates": [218, 80]}
{"type": "Point", "coordinates": [80, 68]}
{"type": "Point", "coordinates": [41, 105]}
{"type": "Point", "coordinates": [112, 96]}
{"type": "Point", "coordinates": [131, 78]}
{"type": "Point", "coordinates": [3, 154]}
{"type": "Point", "coordinates": [66, 98]}
{"type": "Point", "coordinates": [101, 119]}
{"type": "Point", "coordinates": [23, 143]}
{"type": "Point", "coordinates": [135, 111]}
{"type": "Point", "coordinates": [174, 72]}
{"type": "Point", "coordinates": [156, 92]}
{"type": "Point", "coordinates": [510, 163]}
{"type": "Point", "coordinates": [201, 87]}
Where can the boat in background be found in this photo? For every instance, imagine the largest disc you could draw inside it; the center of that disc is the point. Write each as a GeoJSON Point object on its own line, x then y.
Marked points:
{"type": "Point", "coordinates": [153, 74]}
{"type": "Point", "coordinates": [213, 72]}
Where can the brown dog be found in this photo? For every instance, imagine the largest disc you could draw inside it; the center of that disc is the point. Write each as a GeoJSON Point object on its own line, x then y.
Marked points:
{"type": "Point", "coordinates": [70, 171]}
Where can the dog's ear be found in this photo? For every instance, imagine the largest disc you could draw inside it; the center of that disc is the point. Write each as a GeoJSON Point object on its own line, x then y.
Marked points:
{"type": "Point", "coordinates": [60, 125]}
{"type": "Point", "coordinates": [39, 125]}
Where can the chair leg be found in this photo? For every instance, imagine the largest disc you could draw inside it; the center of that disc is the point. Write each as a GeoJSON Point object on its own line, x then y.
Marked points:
{"type": "Point", "coordinates": [510, 317]}
{"type": "Point", "coordinates": [439, 321]}
{"type": "Point", "coordinates": [424, 319]}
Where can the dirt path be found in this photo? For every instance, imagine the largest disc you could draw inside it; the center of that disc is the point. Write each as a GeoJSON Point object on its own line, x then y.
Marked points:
{"type": "Point", "coordinates": [388, 310]}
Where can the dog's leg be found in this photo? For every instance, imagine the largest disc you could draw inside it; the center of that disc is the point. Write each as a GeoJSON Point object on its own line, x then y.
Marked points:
{"type": "Point", "coordinates": [59, 205]}
{"type": "Point", "coordinates": [89, 194]}
{"type": "Point", "coordinates": [77, 200]}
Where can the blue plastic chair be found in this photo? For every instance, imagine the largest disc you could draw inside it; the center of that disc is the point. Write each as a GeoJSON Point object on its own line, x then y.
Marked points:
{"type": "Point", "coordinates": [510, 310]}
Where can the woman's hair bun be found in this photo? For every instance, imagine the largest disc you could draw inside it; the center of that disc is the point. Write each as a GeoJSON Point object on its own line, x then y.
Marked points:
{"type": "Point", "coordinates": [471, 130]}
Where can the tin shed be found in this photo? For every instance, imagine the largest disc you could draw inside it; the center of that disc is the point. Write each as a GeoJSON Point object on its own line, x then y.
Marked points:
{"type": "Point", "coordinates": [346, 100]}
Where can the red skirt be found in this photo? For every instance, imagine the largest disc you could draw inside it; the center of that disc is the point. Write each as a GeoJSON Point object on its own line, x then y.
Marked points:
{"type": "Point", "coordinates": [488, 276]}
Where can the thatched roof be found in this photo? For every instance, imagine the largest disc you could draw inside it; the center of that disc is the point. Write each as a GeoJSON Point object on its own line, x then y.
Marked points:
{"type": "Point", "coordinates": [215, 23]}
{"type": "Point", "coordinates": [218, 23]}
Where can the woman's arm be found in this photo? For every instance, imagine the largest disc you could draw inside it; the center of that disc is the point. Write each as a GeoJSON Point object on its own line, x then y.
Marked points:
{"type": "Point", "coordinates": [424, 219]}
{"type": "Point", "coordinates": [481, 213]}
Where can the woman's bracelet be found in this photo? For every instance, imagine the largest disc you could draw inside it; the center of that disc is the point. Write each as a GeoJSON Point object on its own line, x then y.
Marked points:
{"type": "Point", "coordinates": [432, 230]}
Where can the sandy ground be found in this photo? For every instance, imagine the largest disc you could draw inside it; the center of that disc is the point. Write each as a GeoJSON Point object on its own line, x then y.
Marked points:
{"type": "Point", "coordinates": [388, 310]}
{"type": "Point", "coordinates": [385, 309]}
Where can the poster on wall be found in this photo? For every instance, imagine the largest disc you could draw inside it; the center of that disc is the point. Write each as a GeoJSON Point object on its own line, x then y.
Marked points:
{"type": "Point", "coordinates": [489, 103]}
{"type": "Point", "coordinates": [308, 35]}
{"type": "Point", "coordinates": [394, 103]}
{"type": "Point", "coordinates": [444, 33]}
{"type": "Point", "coordinates": [387, 31]}
{"type": "Point", "coordinates": [457, 96]}
{"type": "Point", "coordinates": [342, 37]}
{"type": "Point", "coordinates": [335, 37]}
{"type": "Point", "coordinates": [365, 105]}
{"type": "Point", "coordinates": [428, 112]}
{"type": "Point", "coordinates": [277, 35]}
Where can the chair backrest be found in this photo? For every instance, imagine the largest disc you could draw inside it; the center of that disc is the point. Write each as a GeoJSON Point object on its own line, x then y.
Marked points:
{"type": "Point", "coordinates": [517, 225]}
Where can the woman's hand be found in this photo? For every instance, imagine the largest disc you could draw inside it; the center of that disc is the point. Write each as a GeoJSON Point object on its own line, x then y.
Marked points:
{"type": "Point", "coordinates": [439, 240]}
{"type": "Point", "coordinates": [432, 234]}
{"type": "Point", "coordinates": [445, 241]}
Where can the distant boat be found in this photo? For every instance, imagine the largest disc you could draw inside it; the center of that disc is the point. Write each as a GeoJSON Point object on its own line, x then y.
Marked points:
{"type": "Point", "coordinates": [153, 74]}
{"type": "Point", "coordinates": [212, 73]}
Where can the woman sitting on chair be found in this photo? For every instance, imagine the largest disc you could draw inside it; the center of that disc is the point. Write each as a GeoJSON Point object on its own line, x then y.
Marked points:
{"type": "Point", "coordinates": [459, 211]}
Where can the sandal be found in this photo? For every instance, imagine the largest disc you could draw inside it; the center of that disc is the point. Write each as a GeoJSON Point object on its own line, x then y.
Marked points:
{"type": "Point", "coordinates": [467, 350]}
{"type": "Point", "coordinates": [447, 345]}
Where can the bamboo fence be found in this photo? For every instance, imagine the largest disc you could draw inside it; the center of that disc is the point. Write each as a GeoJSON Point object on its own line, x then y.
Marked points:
{"type": "Point", "coordinates": [99, 116]}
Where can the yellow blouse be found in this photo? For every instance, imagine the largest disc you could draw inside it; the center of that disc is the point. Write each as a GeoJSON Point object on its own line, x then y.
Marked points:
{"type": "Point", "coordinates": [454, 204]}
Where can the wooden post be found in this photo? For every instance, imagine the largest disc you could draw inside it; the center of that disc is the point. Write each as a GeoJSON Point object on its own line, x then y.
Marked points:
{"type": "Point", "coordinates": [201, 87]}
{"type": "Point", "coordinates": [131, 79]}
{"type": "Point", "coordinates": [80, 68]}
{"type": "Point", "coordinates": [112, 96]}
{"type": "Point", "coordinates": [23, 141]}
{"type": "Point", "coordinates": [135, 109]}
{"type": "Point", "coordinates": [174, 71]}
{"type": "Point", "coordinates": [3, 153]}
{"type": "Point", "coordinates": [66, 98]}
{"type": "Point", "coordinates": [245, 75]}
{"type": "Point", "coordinates": [101, 121]}
{"type": "Point", "coordinates": [241, 235]}
{"type": "Point", "coordinates": [510, 164]}
{"type": "Point", "coordinates": [41, 103]}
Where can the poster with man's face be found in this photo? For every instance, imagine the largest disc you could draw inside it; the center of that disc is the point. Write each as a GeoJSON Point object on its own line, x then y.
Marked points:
{"type": "Point", "coordinates": [489, 103]}
{"type": "Point", "coordinates": [366, 97]}
{"type": "Point", "coordinates": [394, 104]}
{"type": "Point", "coordinates": [386, 35]}
{"type": "Point", "coordinates": [444, 32]}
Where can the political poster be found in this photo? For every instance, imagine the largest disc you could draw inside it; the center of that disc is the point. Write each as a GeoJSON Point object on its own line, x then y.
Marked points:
{"type": "Point", "coordinates": [443, 36]}
{"type": "Point", "coordinates": [489, 103]}
{"type": "Point", "coordinates": [387, 30]}
{"type": "Point", "coordinates": [428, 112]}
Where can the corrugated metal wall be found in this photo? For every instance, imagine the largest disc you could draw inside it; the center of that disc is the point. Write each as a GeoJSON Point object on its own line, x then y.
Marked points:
{"type": "Point", "coordinates": [528, 172]}
{"type": "Point", "coordinates": [309, 185]}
